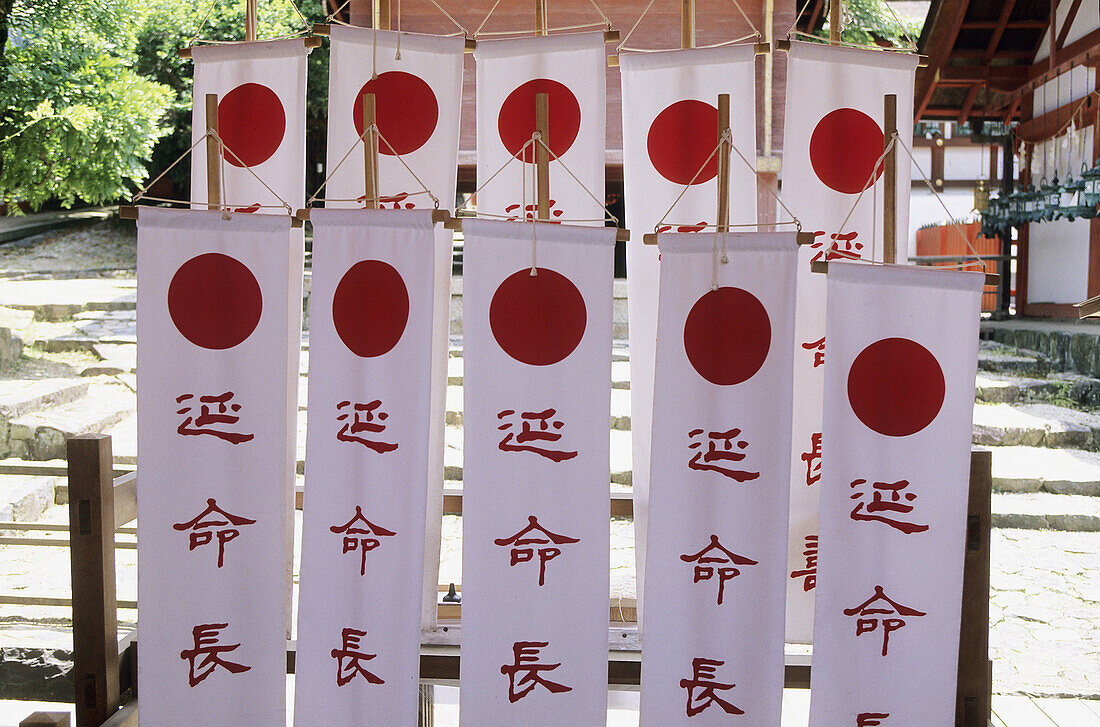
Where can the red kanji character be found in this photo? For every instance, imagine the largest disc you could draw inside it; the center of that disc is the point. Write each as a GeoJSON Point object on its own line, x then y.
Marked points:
{"type": "Point", "coordinates": [529, 536]}
{"type": "Point", "coordinates": [527, 434]}
{"type": "Point", "coordinates": [818, 347]}
{"type": "Point", "coordinates": [716, 555]}
{"type": "Point", "coordinates": [364, 421]}
{"type": "Point", "coordinates": [813, 460]}
{"type": "Point", "coordinates": [720, 449]}
{"type": "Point", "coordinates": [210, 522]}
{"type": "Point", "coordinates": [355, 658]}
{"type": "Point", "coordinates": [850, 249]}
{"type": "Point", "coordinates": [699, 227]}
{"type": "Point", "coordinates": [352, 543]}
{"type": "Point", "coordinates": [867, 625]}
{"type": "Point", "coordinates": [526, 654]}
{"type": "Point", "coordinates": [530, 211]}
{"type": "Point", "coordinates": [206, 645]}
{"type": "Point", "coordinates": [870, 719]}
{"type": "Point", "coordinates": [205, 422]}
{"type": "Point", "coordinates": [810, 573]}
{"type": "Point", "coordinates": [702, 678]}
{"type": "Point", "coordinates": [879, 505]}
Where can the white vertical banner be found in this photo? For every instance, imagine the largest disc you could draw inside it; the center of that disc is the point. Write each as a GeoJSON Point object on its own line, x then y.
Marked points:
{"type": "Point", "coordinates": [417, 100]}
{"type": "Point", "coordinates": [536, 511]}
{"type": "Point", "coordinates": [367, 466]}
{"type": "Point", "coordinates": [717, 550]}
{"type": "Point", "coordinates": [418, 93]}
{"type": "Point", "coordinates": [832, 140]}
{"type": "Point", "coordinates": [670, 129]}
{"type": "Point", "coordinates": [261, 89]}
{"type": "Point", "coordinates": [898, 407]}
{"type": "Point", "coordinates": [571, 70]}
{"type": "Point", "coordinates": [220, 319]}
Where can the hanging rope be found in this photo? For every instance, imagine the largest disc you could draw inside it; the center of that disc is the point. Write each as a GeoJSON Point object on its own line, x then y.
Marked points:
{"type": "Point", "coordinates": [869, 184]}
{"type": "Point", "coordinates": [634, 27]}
{"type": "Point", "coordinates": [307, 26]}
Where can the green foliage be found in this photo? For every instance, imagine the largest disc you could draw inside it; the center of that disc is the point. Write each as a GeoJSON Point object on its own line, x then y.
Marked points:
{"type": "Point", "coordinates": [870, 22]}
{"type": "Point", "coordinates": [170, 25]}
{"type": "Point", "coordinates": [76, 120]}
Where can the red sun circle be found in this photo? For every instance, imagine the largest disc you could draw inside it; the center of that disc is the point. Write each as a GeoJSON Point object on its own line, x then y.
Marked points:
{"type": "Point", "coordinates": [844, 147]}
{"type": "Point", "coordinates": [680, 140]}
{"type": "Point", "coordinates": [251, 123]}
{"type": "Point", "coordinates": [405, 109]}
{"type": "Point", "coordinates": [214, 301]}
{"type": "Point", "coordinates": [370, 308]}
{"type": "Point", "coordinates": [540, 319]}
{"type": "Point", "coordinates": [727, 336]}
{"type": "Point", "coordinates": [516, 121]}
{"type": "Point", "coordinates": [896, 387]}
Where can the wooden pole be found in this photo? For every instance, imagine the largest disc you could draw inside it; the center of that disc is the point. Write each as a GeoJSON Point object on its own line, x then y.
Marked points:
{"type": "Point", "coordinates": [975, 677]}
{"type": "Point", "coordinates": [835, 11]}
{"type": "Point", "coordinates": [542, 155]}
{"type": "Point", "coordinates": [213, 155]}
{"type": "Point", "coordinates": [380, 14]}
{"type": "Point", "coordinates": [370, 151]}
{"type": "Point", "coordinates": [92, 558]}
{"type": "Point", "coordinates": [722, 222]}
{"type": "Point", "coordinates": [250, 20]}
{"type": "Point", "coordinates": [541, 27]}
{"type": "Point", "coordinates": [687, 24]}
{"type": "Point", "coordinates": [890, 182]}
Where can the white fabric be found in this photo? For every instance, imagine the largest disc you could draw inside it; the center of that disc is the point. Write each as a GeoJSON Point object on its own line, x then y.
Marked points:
{"type": "Point", "coordinates": [190, 462]}
{"type": "Point", "coordinates": [576, 61]}
{"type": "Point", "coordinates": [367, 455]}
{"type": "Point", "coordinates": [653, 82]}
{"type": "Point", "coordinates": [280, 66]}
{"type": "Point", "coordinates": [431, 152]}
{"type": "Point", "coordinates": [719, 481]}
{"type": "Point", "coordinates": [357, 54]}
{"type": "Point", "coordinates": [894, 503]}
{"type": "Point", "coordinates": [565, 489]}
{"type": "Point", "coordinates": [820, 81]}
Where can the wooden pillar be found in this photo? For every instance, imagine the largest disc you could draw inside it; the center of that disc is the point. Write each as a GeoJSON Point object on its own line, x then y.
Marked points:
{"type": "Point", "coordinates": [722, 223]}
{"type": "Point", "coordinates": [380, 14]}
{"type": "Point", "coordinates": [687, 24]}
{"type": "Point", "coordinates": [250, 20]}
{"type": "Point", "coordinates": [835, 14]}
{"type": "Point", "coordinates": [213, 156]}
{"type": "Point", "coordinates": [975, 680]}
{"type": "Point", "coordinates": [541, 27]}
{"type": "Point", "coordinates": [92, 557]}
{"type": "Point", "coordinates": [542, 156]}
{"type": "Point", "coordinates": [890, 181]}
{"type": "Point", "coordinates": [1094, 223]}
{"type": "Point", "coordinates": [1022, 232]}
{"type": "Point", "coordinates": [370, 152]}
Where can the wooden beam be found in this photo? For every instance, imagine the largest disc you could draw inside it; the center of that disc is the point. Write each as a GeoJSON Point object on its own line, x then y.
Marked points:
{"type": "Point", "coordinates": [370, 152]}
{"type": "Point", "coordinates": [213, 155]}
{"type": "Point", "coordinates": [890, 180]}
{"type": "Point", "coordinates": [687, 24]}
{"type": "Point", "coordinates": [1053, 49]}
{"type": "Point", "coordinates": [1002, 23]}
{"type": "Point", "coordinates": [815, 14]}
{"type": "Point", "coordinates": [722, 222]}
{"type": "Point", "coordinates": [1067, 24]}
{"type": "Point", "coordinates": [1037, 128]}
{"type": "Point", "coordinates": [542, 155]}
{"type": "Point", "coordinates": [953, 12]}
{"type": "Point", "coordinates": [92, 559]}
{"type": "Point", "coordinates": [968, 104]}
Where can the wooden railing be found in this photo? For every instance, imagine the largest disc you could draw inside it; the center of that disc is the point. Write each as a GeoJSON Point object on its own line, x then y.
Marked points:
{"type": "Point", "coordinates": [105, 667]}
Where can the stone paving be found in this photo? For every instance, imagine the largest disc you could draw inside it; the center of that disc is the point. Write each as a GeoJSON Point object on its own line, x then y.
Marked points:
{"type": "Point", "coordinates": [1045, 630]}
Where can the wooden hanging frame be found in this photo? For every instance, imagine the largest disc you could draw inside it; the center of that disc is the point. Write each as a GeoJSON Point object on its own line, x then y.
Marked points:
{"type": "Point", "coordinates": [213, 168]}
{"type": "Point", "coordinates": [822, 266]}
{"type": "Point", "coordinates": [311, 42]}
{"type": "Point", "coordinates": [687, 33]}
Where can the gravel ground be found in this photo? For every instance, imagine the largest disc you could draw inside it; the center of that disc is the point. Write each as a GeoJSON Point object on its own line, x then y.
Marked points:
{"type": "Point", "coordinates": [104, 248]}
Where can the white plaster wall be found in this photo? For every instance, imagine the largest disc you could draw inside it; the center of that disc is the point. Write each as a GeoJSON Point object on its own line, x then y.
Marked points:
{"type": "Point", "coordinates": [1087, 20]}
{"type": "Point", "coordinates": [1067, 87]}
{"type": "Point", "coordinates": [1058, 262]}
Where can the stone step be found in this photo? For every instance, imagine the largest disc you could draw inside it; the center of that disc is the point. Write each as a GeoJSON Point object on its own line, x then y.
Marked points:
{"type": "Point", "coordinates": [20, 396]}
{"type": "Point", "coordinates": [53, 300]}
{"type": "Point", "coordinates": [23, 498]}
{"type": "Point", "coordinates": [40, 435]}
{"type": "Point", "coordinates": [1045, 511]}
{"type": "Point", "coordinates": [1002, 359]}
{"type": "Point", "coordinates": [1035, 425]}
{"type": "Point", "coordinates": [1039, 469]}
{"type": "Point", "coordinates": [115, 358]}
